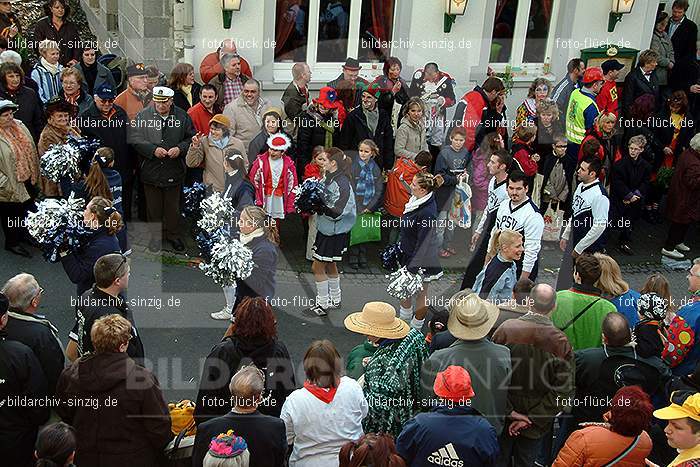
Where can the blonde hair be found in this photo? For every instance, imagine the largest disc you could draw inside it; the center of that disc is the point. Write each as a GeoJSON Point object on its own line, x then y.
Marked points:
{"type": "Point", "coordinates": [610, 281]}
{"type": "Point", "coordinates": [260, 219]}
{"type": "Point", "coordinates": [500, 239]}
{"type": "Point", "coordinates": [109, 333]}
{"type": "Point", "coordinates": [548, 106]}
{"type": "Point", "coordinates": [46, 45]}
{"type": "Point", "coordinates": [241, 460]}
{"type": "Point", "coordinates": [70, 71]}
{"type": "Point", "coordinates": [371, 145]}
{"type": "Point", "coordinates": [605, 118]}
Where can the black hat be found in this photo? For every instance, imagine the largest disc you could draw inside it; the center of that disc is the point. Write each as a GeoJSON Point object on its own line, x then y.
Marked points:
{"type": "Point", "coordinates": [137, 69]}
{"type": "Point", "coordinates": [58, 104]}
{"type": "Point", "coordinates": [4, 304]}
{"type": "Point", "coordinates": [352, 64]}
{"type": "Point", "coordinates": [610, 65]}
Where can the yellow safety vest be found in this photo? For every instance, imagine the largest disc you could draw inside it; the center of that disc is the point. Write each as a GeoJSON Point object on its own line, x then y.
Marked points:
{"type": "Point", "coordinates": [575, 121]}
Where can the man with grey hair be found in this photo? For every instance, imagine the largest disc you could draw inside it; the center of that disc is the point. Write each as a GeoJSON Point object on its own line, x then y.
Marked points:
{"type": "Point", "coordinates": [229, 83]}
{"type": "Point", "coordinates": [25, 325]}
{"type": "Point", "coordinates": [543, 374]}
{"type": "Point", "coordinates": [246, 112]}
{"type": "Point", "coordinates": [211, 65]}
{"type": "Point", "coordinates": [266, 435]}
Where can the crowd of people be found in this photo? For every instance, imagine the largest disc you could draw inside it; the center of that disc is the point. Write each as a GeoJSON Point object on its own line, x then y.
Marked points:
{"type": "Point", "coordinates": [512, 372]}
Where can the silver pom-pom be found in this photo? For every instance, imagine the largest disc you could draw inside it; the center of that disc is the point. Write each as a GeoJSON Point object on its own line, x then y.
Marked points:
{"type": "Point", "coordinates": [217, 211]}
{"type": "Point", "coordinates": [404, 284]}
{"type": "Point", "coordinates": [61, 161]}
{"type": "Point", "coordinates": [230, 261]}
{"type": "Point", "coordinates": [53, 212]}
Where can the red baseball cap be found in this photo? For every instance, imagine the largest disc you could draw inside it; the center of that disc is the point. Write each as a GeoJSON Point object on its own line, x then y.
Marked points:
{"type": "Point", "coordinates": [454, 383]}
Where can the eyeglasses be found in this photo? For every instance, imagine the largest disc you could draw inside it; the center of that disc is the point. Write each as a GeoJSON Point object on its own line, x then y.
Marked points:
{"type": "Point", "coordinates": [39, 293]}
{"type": "Point", "coordinates": [561, 146]}
{"type": "Point", "coordinates": [122, 263]}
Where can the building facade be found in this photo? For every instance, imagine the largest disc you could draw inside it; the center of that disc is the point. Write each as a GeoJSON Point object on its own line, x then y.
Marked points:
{"type": "Point", "coordinates": [530, 38]}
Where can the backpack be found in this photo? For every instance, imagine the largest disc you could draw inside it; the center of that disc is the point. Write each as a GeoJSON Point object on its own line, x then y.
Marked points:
{"type": "Point", "coordinates": [398, 185]}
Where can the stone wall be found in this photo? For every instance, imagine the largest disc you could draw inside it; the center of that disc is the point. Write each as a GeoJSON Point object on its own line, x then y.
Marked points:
{"type": "Point", "coordinates": [139, 29]}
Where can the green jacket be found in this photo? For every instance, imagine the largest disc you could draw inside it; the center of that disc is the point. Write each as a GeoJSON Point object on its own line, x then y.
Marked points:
{"type": "Point", "coordinates": [586, 331]}
{"type": "Point", "coordinates": [354, 367]}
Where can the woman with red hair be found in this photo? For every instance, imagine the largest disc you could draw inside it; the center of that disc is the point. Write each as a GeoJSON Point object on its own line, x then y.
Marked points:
{"type": "Point", "coordinates": [252, 337]}
{"type": "Point", "coordinates": [375, 449]}
{"type": "Point", "coordinates": [621, 441]}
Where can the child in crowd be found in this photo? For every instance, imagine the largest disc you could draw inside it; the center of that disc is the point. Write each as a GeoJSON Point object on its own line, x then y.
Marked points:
{"type": "Point", "coordinates": [334, 224]}
{"type": "Point", "coordinates": [313, 169]}
{"type": "Point", "coordinates": [524, 152]}
{"type": "Point", "coordinates": [274, 177]}
{"type": "Point", "coordinates": [450, 166]}
{"type": "Point", "coordinates": [47, 71]}
{"type": "Point", "coordinates": [368, 185]}
{"type": "Point", "coordinates": [101, 180]}
{"type": "Point", "coordinates": [398, 188]}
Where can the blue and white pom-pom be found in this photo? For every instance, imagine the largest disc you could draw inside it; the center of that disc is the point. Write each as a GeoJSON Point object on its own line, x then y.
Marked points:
{"type": "Point", "coordinates": [193, 197]}
{"type": "Point", "coordinates": [61, 161]}
{"type": "Point", "coordinates": [216, 212]}
{"type": "Point", "coordinates": [404, 284]}
{"type": "Point", "coordinates": [230, 261]}
{"type": "Point", "coordinates": [392, 257]}
{"type": "Point", "coordinates": [311, 196]}
{"type": "Point", "coordinates": [58, 226]}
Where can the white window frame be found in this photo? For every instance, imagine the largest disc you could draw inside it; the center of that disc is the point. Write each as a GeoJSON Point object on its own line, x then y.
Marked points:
{"type": "Point", "coordinates": [519, 37]}
{"type": "Point", "coordinates": [322, 72]}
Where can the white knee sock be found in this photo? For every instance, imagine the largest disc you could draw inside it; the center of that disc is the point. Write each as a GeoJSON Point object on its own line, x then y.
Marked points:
{"type": "Point", "coordinates": [334, 288]}
{"type": "Point", "coordinates": [322, 294]}
{"type": "Point", "coordinates": [230, 294]}
{"type": "Point", "coordinates": [417, 324]}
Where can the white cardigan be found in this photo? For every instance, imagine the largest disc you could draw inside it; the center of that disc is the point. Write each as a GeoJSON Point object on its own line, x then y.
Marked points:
{"type": "Point", "coordinates": [318, 430]}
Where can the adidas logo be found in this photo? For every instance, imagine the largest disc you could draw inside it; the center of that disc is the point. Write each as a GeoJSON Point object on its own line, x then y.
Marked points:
{"type": "Point", "coordinates": [446, 456]}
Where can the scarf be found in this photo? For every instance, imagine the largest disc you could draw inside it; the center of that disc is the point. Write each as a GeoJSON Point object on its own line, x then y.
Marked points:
{"type": "Point", "coordinates": [187, 91]}
{"type": "Point", "coordinates": [323, 394]}
{"type": "Point", "coordinates": [247, 238]}
{"type": "Point", "coordinates": [365, 184]}
{"type": "Point", "coordinates": [394, 373]}
{"type": "Point", "coordinates": [414, 203]}
{"type": "Point", "coordinates": [90, 74]}
{"type": "Point", "coordinates": [220, 143]}
{"type": "Point", "coordinates": [53, 69]}
{"type": "Point", "coordinates": [72, 99]}
{"type": "Point", "coordinates": [372, 117]}
{"type": "Point", "coordinates": [26, 157]}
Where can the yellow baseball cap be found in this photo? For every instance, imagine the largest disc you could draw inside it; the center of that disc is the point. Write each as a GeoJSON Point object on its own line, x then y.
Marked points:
{"type": "Point", "coordinates": [684, 404]}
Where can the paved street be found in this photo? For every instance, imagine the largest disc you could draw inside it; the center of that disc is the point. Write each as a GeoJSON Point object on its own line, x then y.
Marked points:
{"type": "Point", "coordinates": [172, 299]}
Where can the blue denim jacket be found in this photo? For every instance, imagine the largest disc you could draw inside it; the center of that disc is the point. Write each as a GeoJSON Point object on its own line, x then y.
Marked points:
{"type": "Point", "coordinates": [502, 290]}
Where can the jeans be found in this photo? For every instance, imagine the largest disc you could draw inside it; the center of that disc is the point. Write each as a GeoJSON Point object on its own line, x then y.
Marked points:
{"type": "Point", "coordinates": [445, 230]}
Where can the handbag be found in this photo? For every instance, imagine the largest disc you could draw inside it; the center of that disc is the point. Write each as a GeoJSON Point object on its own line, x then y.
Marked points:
{"type": "Point", "coordinates": [553, 219]}
{"type": "Point", "coordinates": [461, 205]}
{"type": "Point", "coordinates": [537, 189]}
{"type": "Point", "coordinates": [182, 417]}
{"type": "Point", "coordinates": [367, 228]}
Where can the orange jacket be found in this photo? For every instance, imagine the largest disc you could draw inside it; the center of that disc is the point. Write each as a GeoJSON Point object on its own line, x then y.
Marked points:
{"type": "Point", "coordinates": [595, 446]}
{"type": "Point", "coordinates": [398, 185]}
{"type": "Point", "coordinates": [211, 67]}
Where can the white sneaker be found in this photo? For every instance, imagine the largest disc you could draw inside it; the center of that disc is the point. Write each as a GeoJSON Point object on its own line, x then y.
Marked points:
{"type": "Point", "coordinates": [675, 254]}
{"type": "Point", "coordinates": [223, 314]}
{"type": "Point", "coordinates": [682, 247]}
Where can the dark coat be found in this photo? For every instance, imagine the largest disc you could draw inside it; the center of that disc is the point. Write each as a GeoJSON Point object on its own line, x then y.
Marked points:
{"type": "Point", "coordinates": [22, 377]}
{"type": "Point", "coordinates": [636, 85]}
{"type": "Point", "coordinates": [243, 196]}
{"type": "Point", "coordinates": [310, 134]}
{"type": "Point", "coordinates": [418, 238]}
{"type": "Point", "coordinates": [37, 333]}
{"type": "Point", "coordinates": [664, 132]}
{"type": "Point", "coordinates": [180, 100]}
{"type": "Point", "coordinates": [684, 40]}
{"type": "Point", "coordinates": [146, 137]}
{"type": "Point", "coordinates": [266, 437]}
{"type": "Point", "coordinates": [471, 436]}
{"type": "Point", "coordinates": [93, 305]}
{"type": "Point", "coordinates": [352, 98]}
{"type": "Point", "coordinates": [30, 111]}
{"type": "Point", "coordinates": [355, 130]}
{"type": "Point", "coordinates": [294, 102]}
{"type": "Point", "coordinates": [261, 282]}
{"type": "Point", "coordinates": [227, 357]}
{"type": "Point", "coordinates": [629, 176]}
{"type": "Point", "coordinates": [103, 75]}
{"type": "Point", "coordinates": [113, 133]}
{"type": "Point", "coordinates": [68, 34]}
{"type": "Point", "coordinates": [653, 151]}
{"type": "Point", "coordinates": [79, 265]}
{"type": "Point", "coordinates": [132, 432]}
{"type": "Point", "coordinates": [682, 205]}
